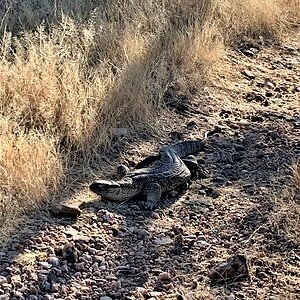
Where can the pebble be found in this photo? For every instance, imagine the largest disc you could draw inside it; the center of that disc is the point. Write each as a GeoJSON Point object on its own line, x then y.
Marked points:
{"type": "Point", "coordinates": [64, 268]}
{"type": "Point", "coordinates": [45, 265]}
{"type": "Point", "coordinates": [3, 279]}
{"type": "Point", "coordinates": [48, 297]}
{"type": "Point", "coordinates": [33, 289]}
{"type": "Point", "coordinates": [98, 258]}
{"type": "Point", "coordinates": [248, 74]}
{"type": "Point", "coordinates": [154, 215]}
{"type": "Point", "coordinates": [120, 131]}
{"type": "Point", "coordinates": [270, 85]}
{"type": "Point", "coordinates": [260, 153]}
{"type": "Point", "coordinates": [18, 295]}
{"type": "Point", "coordinates": [215, 193]}
{"type": "Point", "coordinates": [32, 297]}
{"type": "Point", "coordinates": [164, 276]}
{"type": "Point", "coordinates": [42, 277]}
{"type": "Point", "coordinates": [92, 251]}
{"type": "Point", "coordinates": [79, 266]}
{"type": "Point", "coordinates": [4, 297]}
{"type": "Point", "coordinates": [6, 286]}
{"type": "Point", "coordinates": [163, 240]}
{"type": "Point", "coordinates": [54, 261]}
{"type": "Point", "coordinates": [248, 53]}
{"type": "Point", "coordinates": [105, 298]}
{"type": "Point", "coordinates": [55, 287]}
{"type": "Point", "coordinates": [230, 297]}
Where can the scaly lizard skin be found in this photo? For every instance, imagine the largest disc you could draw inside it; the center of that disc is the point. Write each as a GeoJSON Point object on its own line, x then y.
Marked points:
{"type": "Point", "coordinates": [166, 173]}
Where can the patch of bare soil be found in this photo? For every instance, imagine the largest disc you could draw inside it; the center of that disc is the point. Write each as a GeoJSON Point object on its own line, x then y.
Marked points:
{"type": "Point", "coordinates": [219, 240]}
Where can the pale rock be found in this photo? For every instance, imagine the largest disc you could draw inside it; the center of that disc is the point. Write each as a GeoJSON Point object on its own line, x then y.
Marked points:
{"type": "Point", "coordinates": [3, 279]}
{"type": "Point", "coordinates": [164, 276]}
{"type": "Point", "coordinates": [54, 261]}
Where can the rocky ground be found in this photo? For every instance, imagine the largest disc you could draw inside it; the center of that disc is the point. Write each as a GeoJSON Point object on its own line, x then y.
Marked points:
{"type": "Point", "coordinates": [122, 251]}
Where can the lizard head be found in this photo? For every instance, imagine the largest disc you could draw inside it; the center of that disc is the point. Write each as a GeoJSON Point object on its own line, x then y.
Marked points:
{"type": "Point", "coordinates": [105, 188]}
{"type": "Point", "coordinates": [113, 190]}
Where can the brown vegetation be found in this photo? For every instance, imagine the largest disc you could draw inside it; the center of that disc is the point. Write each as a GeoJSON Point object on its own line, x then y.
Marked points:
{"type": "Point", "coordinates": [70, 74]}
{"type": "Point", "coordinates": [286, 216]}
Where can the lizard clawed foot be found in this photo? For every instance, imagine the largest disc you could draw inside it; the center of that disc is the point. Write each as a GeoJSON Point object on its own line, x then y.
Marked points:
{"type": "Point", "coordinates": [153, 193]}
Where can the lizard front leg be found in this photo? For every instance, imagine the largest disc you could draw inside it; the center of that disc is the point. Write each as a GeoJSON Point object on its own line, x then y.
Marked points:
{"type": "Point", "coordinates": [153, 193]}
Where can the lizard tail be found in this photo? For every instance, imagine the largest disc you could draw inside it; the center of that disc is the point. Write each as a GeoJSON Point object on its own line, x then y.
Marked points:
{"type": "Point", "coordinates": [183, 149]}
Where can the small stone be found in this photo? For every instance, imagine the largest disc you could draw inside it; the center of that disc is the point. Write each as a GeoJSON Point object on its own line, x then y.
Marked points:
{"type": "Point", "coordinates": [19, 295]}
{"type": "Point", "coordinates": [42, 277]}
{"type": "Point", "coordinates": [230, 297]}
{"type": "Point", "coordinates": [98, 258]}
{"type": "Point", "coordinates": [79, 266]}
{"type": "Point", "coordinates": [16, 281]}
{"type": "Point", "coordinates": [273, 135]}
{"type": "Point", "coordinates": [164, 276]}
{"type": "Point", "coordinates": [70, 253]}
{"type": "Point", "coordinates": [262, 275]}
{"type": "Point", "coordinates": [105, 215]}
{"type": "Point", "coordinates": [55, 287]}
{"type": "Point", "coordinates": [154, 294]}
{"type": "Point", "coordinates": [260, 84]}
{"type": "Point", "coordinates": [47, 239]}
{"type": "Point", "coordinates": [143, 233]}
{"type": "Point", "coordinates": [4, 297]}
{"type": "Point", "coordinates": [141, 290]}
{"type": "Point", "coordinates": [6, 287]}
{"type": "Point", "coordinates": [48, 297]}
{"type": "Point", "coordinates": [203, 244]}
{"type": "Point", "coordinates": [154, 215]}
{"type": "Point", "coordinates": [215, 193]}
{"type": "Point", "coordinates": [45, 265]}
{"type": "Point", "coordinates": [163, 240]}
{"type": "Point", "coordinates": [260, 153]}
{"type": "Point", "coordinates": [33, 276]}
{"type": "Point", "coordinates": [120, 131]}
{"type": "Point", "coordinates": [32, 297]}
{"type": "Point", "coordinates": [54, 261]}
{"type": "Point", "coordinates": [33, 289]}
{"type": "Point", "coordinates": [78, 275]}
{"type": "Point", "coordinates": [191, 125]}
{"type": "Point", "coordinates": [248, 74]}
{"type": "Point", "coordinates": [3, 279]}
{"type": "Point", "coordinates": [92, 251]}
{"type": "Point", "coordinates": [105, 298]}
{"type": "Point", "coordinates": [65, 210]}
{"type": "Point", "coordinates": [64, 268]}
{"type": "Point", "coordinates": [270, 85]}
{"type": "Point", "coordinates": [257, 119]}
{"type": "Point", "coordinates": [233, 267]}
{"type": "Point", "coordinates": [248, 53]}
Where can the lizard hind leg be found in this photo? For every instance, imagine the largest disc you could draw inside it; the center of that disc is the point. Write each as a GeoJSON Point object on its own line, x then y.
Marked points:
{"type": "Point", "coordinates": [197, 171]}
{"type": "Point", "coordinates": [122, 170]}
{"type": "Point", "coordinates": [153, 193]}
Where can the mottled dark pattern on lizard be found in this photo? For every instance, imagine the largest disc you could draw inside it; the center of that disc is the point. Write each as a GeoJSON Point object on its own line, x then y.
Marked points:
{"type": "Point", "coordinates": [167, 171]}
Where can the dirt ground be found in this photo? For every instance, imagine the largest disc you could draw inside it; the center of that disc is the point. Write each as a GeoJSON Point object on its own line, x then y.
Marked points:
{"type": "Point", "coordinates": [122, 251]}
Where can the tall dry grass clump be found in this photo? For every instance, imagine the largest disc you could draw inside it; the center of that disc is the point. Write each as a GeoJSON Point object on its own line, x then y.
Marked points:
{"type": "Point", "coordinates": [72, 71]}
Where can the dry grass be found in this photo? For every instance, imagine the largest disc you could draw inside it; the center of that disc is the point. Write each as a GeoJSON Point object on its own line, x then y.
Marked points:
{"type": "Point", "coordinates": [71, 71]}
{"type": "Point", "coordinates": [286, 216]}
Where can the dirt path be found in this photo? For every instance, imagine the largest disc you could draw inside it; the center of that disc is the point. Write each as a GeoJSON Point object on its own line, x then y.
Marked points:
{"type": "Point", "coordinates": [124, 252]}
